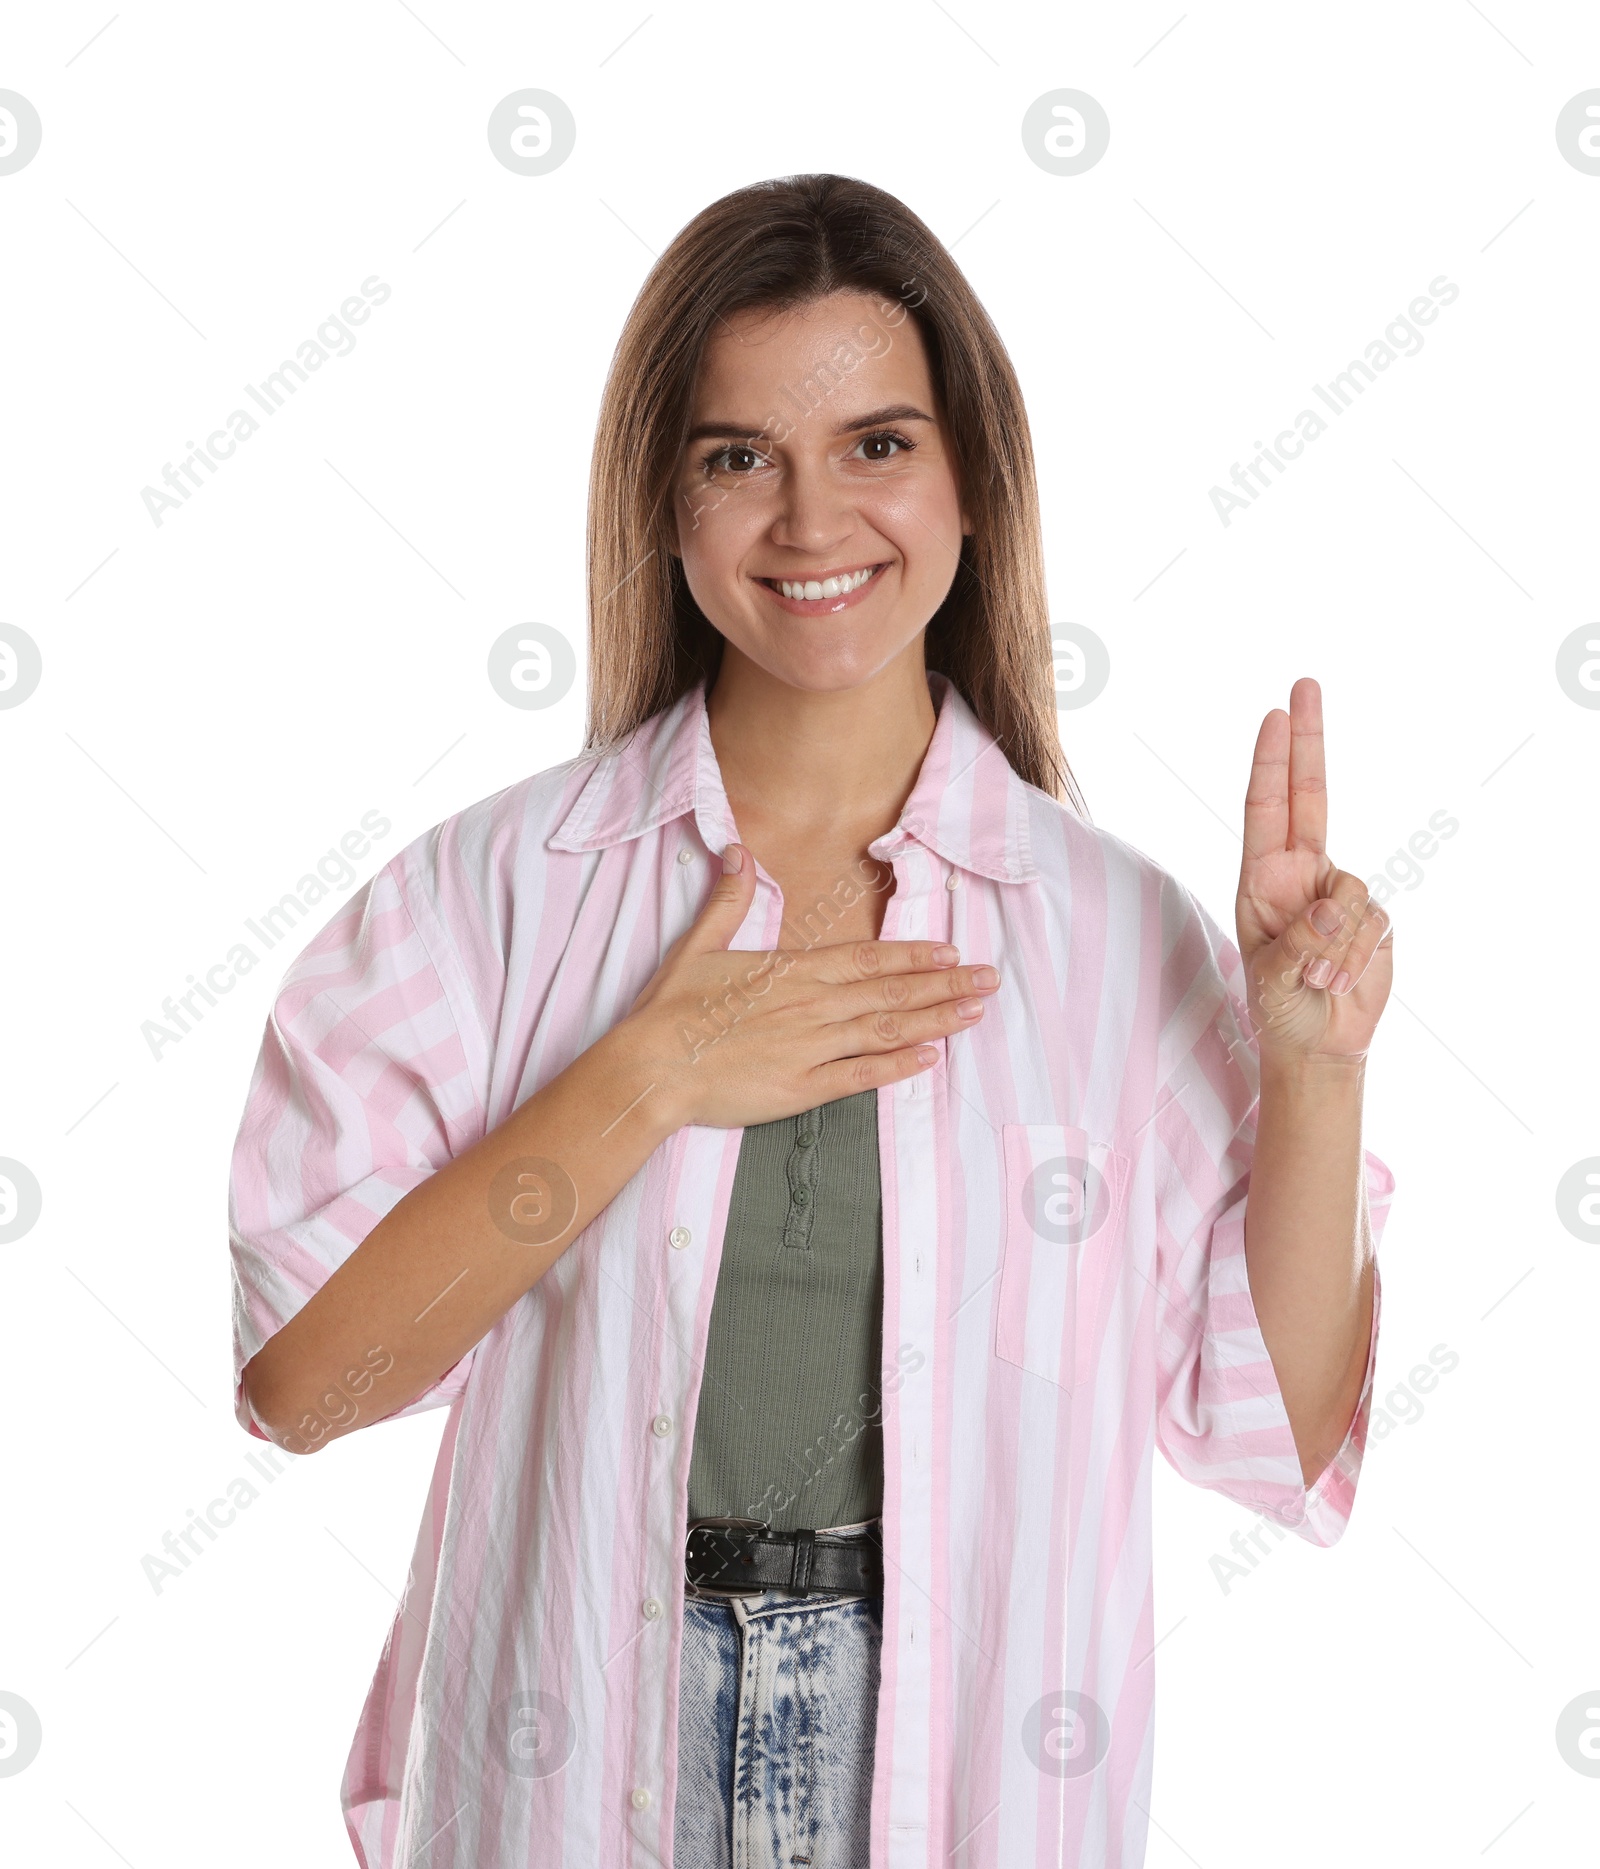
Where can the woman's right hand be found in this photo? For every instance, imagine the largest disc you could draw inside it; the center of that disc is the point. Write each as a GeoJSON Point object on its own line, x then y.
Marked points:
{"type": "Point", "coordinates": [441, 1268]}
{"type": "Point", "coordinates": [733, 1037]}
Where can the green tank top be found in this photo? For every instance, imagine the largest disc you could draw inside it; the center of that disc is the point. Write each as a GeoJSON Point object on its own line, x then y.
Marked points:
{"type": "Point", "coordinates": [789, 1426]}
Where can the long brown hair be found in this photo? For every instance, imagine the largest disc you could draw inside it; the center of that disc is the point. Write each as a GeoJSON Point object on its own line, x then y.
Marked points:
{"type": "Point", "coordinates": [777, 245]}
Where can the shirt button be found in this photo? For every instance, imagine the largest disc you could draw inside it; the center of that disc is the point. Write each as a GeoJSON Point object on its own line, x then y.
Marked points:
{"type": "Point", "coordinates": [805, 1139]}
{"type": "Point", "coordinates": [680, 1236]}
{"type": "Point", "coordinates": [801, 1196]}
{"type": "Point", "coordinates": [952, 882]}
{"type": "Point", "coordinates": [683, 857]}
{"type": "Point", "coordinates": [652, 1609]}
{"type": "Point", "coordinates": [661, 1427]}
{"type": "Point", "coordinates": [640, 1799]}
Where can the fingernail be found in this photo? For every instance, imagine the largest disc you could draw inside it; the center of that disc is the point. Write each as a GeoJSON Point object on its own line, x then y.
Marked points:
{"type": "Point", "coordinates": [732, 860]}
{"type": "Point", "coordinates": [1341, 981]}
{"type": "Point", "coordinates": [1327, 918]}
{"type": "Point", "coordinates": [944, 953]}
{"type": "Point", "coordinates": [985, 976]}
{"type": "Point", "coordinates": [969, 1008]}
{"type": "Point", "coordinates": [1318, 973]}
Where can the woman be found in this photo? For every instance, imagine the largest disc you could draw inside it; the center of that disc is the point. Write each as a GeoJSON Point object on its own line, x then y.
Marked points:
{"type": "Point", "coordinates": [807, 1157]}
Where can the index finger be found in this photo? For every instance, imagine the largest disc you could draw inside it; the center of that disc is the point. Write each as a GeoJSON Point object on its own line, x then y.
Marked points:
{"type": "Point", "coordinates": [840, 962]}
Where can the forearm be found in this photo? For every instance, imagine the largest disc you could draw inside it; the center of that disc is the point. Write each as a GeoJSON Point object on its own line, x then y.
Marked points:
{"type": "Point", "coordinates": [1308, 1246]}
{"type": "Point", "coordinates": [438, 1271]}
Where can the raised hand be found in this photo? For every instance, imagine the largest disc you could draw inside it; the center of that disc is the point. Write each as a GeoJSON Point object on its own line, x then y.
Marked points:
{"type": "Point", "coordinates": [1318, 956]}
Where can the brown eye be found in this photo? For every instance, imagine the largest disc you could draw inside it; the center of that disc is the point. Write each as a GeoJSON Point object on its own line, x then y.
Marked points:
{"type": "Point", "coordinates": [878, 447]}
{"type": "Point", "coordinates": [736, 459]}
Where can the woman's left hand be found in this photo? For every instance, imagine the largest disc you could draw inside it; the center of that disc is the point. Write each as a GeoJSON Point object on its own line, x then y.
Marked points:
{"type": "Point", "coordinates": [1314, 992]}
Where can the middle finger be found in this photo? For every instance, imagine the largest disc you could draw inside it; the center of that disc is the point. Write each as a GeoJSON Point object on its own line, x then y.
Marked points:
{"type": "Point", "coordinates": [909, 992]}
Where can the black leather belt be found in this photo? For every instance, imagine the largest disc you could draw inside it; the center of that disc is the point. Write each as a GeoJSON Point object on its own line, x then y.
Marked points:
{"type": "Point", "coordinates": [742, 1558]}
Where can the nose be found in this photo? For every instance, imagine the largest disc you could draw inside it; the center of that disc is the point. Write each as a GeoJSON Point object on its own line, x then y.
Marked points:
{"type": "Point", "coordinates": [815, 512]}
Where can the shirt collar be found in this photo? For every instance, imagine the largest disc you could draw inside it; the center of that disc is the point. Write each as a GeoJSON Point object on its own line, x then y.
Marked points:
{"type": "Point", "coordinates": [968, 803]}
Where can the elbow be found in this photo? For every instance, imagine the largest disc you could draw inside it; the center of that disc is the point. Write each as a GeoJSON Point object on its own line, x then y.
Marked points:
{"type": "Point", "coordinates": [279, 1415]}
{"type": "Point", "coordinates": [296, 1408]}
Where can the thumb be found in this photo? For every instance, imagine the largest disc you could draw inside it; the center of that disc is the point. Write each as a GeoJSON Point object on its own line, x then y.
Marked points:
{"type": "Point", "coordinates": [727, 905]}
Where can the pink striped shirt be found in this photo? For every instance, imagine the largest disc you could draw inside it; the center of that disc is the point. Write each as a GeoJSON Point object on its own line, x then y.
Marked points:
{"type": "Point", "coordinates": [1064, 1292]}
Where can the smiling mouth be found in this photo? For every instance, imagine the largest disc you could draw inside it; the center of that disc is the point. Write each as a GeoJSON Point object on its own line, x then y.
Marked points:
{"type": "Point", "coordinates": [813, 590]}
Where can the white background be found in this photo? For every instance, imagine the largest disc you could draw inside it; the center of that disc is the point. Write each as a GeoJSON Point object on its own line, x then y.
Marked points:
{"type": "Point", "coordinates": [226, 694]}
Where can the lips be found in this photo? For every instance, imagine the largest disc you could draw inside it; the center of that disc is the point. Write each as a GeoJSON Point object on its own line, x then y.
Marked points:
{"type": "Point", "coordinates": [825, 593]}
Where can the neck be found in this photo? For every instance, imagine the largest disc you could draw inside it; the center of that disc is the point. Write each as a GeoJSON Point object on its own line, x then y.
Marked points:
{"type": "Point", "coordinates": [835, 766]}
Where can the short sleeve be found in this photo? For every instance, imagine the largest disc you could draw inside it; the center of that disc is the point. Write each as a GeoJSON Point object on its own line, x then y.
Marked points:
{"type": "Point", "coordinates": [1221, 1420]}
{"type": "Point", "coordinates": [361, 1090]}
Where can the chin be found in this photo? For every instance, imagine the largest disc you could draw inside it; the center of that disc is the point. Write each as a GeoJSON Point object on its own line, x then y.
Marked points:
{"type": "Point", "coordinates": [815, 671]}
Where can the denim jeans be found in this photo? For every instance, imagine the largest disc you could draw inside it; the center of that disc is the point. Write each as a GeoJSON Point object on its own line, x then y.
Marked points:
{"type": "Point", "coordinates": [777, 1710]}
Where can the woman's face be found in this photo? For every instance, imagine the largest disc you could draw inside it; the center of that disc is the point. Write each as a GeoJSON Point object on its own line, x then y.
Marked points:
{"type": "Point", "coordinates": [819, 519]}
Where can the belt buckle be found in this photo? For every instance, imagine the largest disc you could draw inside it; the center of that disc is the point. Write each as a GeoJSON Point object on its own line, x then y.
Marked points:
{"type": "Point", "coordinates": [690, 1587]}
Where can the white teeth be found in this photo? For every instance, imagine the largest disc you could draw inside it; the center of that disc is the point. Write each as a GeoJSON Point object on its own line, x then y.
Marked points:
{"type": "Point", "coordinates": [811, 589]}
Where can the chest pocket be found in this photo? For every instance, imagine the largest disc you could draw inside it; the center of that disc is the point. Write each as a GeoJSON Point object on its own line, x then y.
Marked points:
{"type": "Point", "coordinates": [1065, 1198]}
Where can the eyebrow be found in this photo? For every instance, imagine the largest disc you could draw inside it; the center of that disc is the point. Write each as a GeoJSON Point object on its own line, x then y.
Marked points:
{"type": "Point", "coordinates": [895, 412]}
